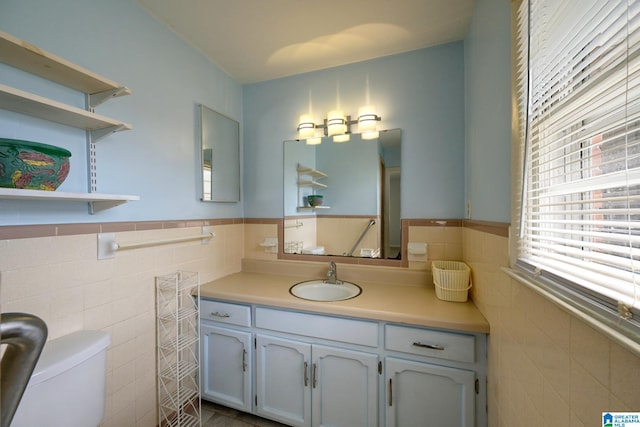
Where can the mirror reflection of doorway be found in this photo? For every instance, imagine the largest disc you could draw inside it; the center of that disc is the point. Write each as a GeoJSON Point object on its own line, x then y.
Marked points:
{"type": "Point", "coordinates": [207, 160]}
{"type": "Point", "coordinates": [392, 229]}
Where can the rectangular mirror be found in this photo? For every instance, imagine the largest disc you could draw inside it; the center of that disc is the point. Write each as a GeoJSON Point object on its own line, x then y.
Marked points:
{"type": "Point", "coordinates": [220, 157]}
{"type": "Point", "coordinates": [359, 181]}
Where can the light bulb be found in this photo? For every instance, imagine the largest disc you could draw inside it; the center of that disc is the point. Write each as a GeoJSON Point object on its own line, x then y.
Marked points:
{"type": "Point", "coordinates": [306, 128]}
{"type": "Point", "coordinates": [366, 136]}
{"type": "Point", "coordinates": [367, 119]}
{"type": "Point", "coordinates": [336, 123]}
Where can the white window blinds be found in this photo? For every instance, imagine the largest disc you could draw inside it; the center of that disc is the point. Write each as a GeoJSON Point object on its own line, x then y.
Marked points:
{"type": "Point", "coordinates": [579, 73]}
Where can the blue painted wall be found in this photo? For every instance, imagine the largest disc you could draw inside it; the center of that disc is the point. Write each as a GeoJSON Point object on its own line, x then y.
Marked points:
{"type": "Point", "coordinates": [352, 184]}
{"type": "Point", "coordinates": [421, 92]}
{"type": "Point", "coordinates": [488, 111]}
{"type": "Point", "coordinates": [424, 92]}
{"type": "Point", "coordinates": [156, 160]}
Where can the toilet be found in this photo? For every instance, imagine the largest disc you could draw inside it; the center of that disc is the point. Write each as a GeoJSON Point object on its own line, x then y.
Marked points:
{"type": "Point", "coordinates": [67, 387]}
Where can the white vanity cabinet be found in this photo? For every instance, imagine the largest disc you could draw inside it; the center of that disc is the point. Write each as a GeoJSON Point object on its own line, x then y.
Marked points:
{"type": "Point", "coordinates": [283, 390]}
{"type": "Point", "coordinates": [304, 384]}
{"type": "Point", "coordinates": [226, 354]}
{"type": "Point", "coordinates": [345, 387]}
{"type": "Point", "coordinates": [302, 381]}
{"type": "Point", "coordinates": [427, 393]}
{"type": "Point", "coordinates": [308, 369]}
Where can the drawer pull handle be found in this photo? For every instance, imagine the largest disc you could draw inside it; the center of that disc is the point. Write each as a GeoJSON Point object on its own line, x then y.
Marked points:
{"type": "Point", "coordinates": [306, 374]}
{"type": "Point", "coordinates": [217, 314]}
{"type": "Point", "coordinates": [429, 346]}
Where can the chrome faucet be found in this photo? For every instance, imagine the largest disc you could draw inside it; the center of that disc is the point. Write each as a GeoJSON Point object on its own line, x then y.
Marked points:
{"type": "Point", "coordinates": [332, 274]}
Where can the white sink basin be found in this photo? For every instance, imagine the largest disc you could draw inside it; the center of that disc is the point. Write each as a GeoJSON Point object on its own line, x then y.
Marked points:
{"type": "Point", "coordinates": [319, 290]}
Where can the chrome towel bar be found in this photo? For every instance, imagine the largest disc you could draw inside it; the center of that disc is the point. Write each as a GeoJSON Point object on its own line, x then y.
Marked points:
{"type": "Point", "coordinates": [107, 245]}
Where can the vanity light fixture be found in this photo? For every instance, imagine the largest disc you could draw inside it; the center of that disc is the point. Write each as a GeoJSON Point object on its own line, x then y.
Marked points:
{"type": "Point", "coordinates": [338, 126]}
{"type": "Point", "coordinates": [306, 128]}
{"type": "Point", "coordinates": [368, 122]}
{"type": "Point", "coordinates": [336, 123]}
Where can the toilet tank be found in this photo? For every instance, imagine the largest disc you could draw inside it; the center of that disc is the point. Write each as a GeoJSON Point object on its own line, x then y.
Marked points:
{"type": "Point", "coordinates": [67, 387]}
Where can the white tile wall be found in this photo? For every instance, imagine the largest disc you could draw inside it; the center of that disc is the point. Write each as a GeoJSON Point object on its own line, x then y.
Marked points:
{"type": "Point", "coordinates": [60, 280]}
{"type": "Point", "coordinates": [546, 368]}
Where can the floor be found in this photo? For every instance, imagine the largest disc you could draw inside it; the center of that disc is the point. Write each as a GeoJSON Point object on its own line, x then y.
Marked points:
{"type": "Point", "coordinates": [214, 415]}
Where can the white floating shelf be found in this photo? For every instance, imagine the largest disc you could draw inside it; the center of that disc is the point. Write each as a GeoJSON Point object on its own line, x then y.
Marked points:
{"type": "Point", "coordinates": [23, 102]}
{"type": "Point", "coordinates": [25, 56]}
{"type": "Point", "coordinates": [97, 201]}
{"type": "Point", "coordinates": [97, 89]}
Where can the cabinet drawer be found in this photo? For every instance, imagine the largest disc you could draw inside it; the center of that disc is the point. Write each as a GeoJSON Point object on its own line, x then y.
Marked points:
{"type": "Point", "coordinates": [424, 342]}
{"type": "Point", "coordinates": [224, 312]}
{"type": "Point", "coordinates": [332, 328]}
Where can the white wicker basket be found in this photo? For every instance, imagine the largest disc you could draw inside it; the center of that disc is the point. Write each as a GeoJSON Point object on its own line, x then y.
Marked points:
{"type": "Point", "coordinates": [451, 279]}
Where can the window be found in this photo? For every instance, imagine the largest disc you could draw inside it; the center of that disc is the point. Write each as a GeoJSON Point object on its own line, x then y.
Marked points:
{"type": "Point", "coordinates": [578, 76]}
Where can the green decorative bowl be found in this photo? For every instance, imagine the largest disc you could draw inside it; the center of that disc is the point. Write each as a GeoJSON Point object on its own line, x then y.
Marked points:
{"type": "Point", "coordinates": [32, 165]}
{"type": "Point", "coordinates": [314, 200]}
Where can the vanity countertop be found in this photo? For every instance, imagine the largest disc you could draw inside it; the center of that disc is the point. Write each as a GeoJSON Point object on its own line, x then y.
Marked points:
{"type": "Point", "coordinates": [416, 305]}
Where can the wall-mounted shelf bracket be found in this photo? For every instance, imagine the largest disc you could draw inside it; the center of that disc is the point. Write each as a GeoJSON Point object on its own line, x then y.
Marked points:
{"type": "Point", "coordinates": [98, 134]}
{"type": "Point", "coordinates": [95, 99]}
{"type": "Point", "coordinates": [103, 205]}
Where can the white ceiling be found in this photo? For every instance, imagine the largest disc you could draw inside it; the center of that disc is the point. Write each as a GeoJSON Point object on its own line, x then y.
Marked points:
{"type": "Point", "coordinates": [257, 40]}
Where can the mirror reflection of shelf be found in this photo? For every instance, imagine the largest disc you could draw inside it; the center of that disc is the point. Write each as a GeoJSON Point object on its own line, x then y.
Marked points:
{"type": "Point", "coordinates": [311, 183]}
{"type": "Point", "coordinates": [307, 178]}
{"type": "Point", "coordinates": [309, 208]}
{"type": "Point", "coordinates": [302, 170]}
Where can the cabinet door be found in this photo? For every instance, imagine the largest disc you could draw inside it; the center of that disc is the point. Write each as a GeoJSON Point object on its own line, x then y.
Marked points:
{"type": "Point", "coordinates": [421, 394]}
{"type": "Point", "coordinates": [226, 366]}
{"type": "Point", "coordinates": [345, 387]}
{"type": "Point", "coordinates": [283, 383]}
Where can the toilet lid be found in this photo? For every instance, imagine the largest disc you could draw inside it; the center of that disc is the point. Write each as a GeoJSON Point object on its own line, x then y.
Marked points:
{"type": "Point", "coordinates": [62, 354]}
